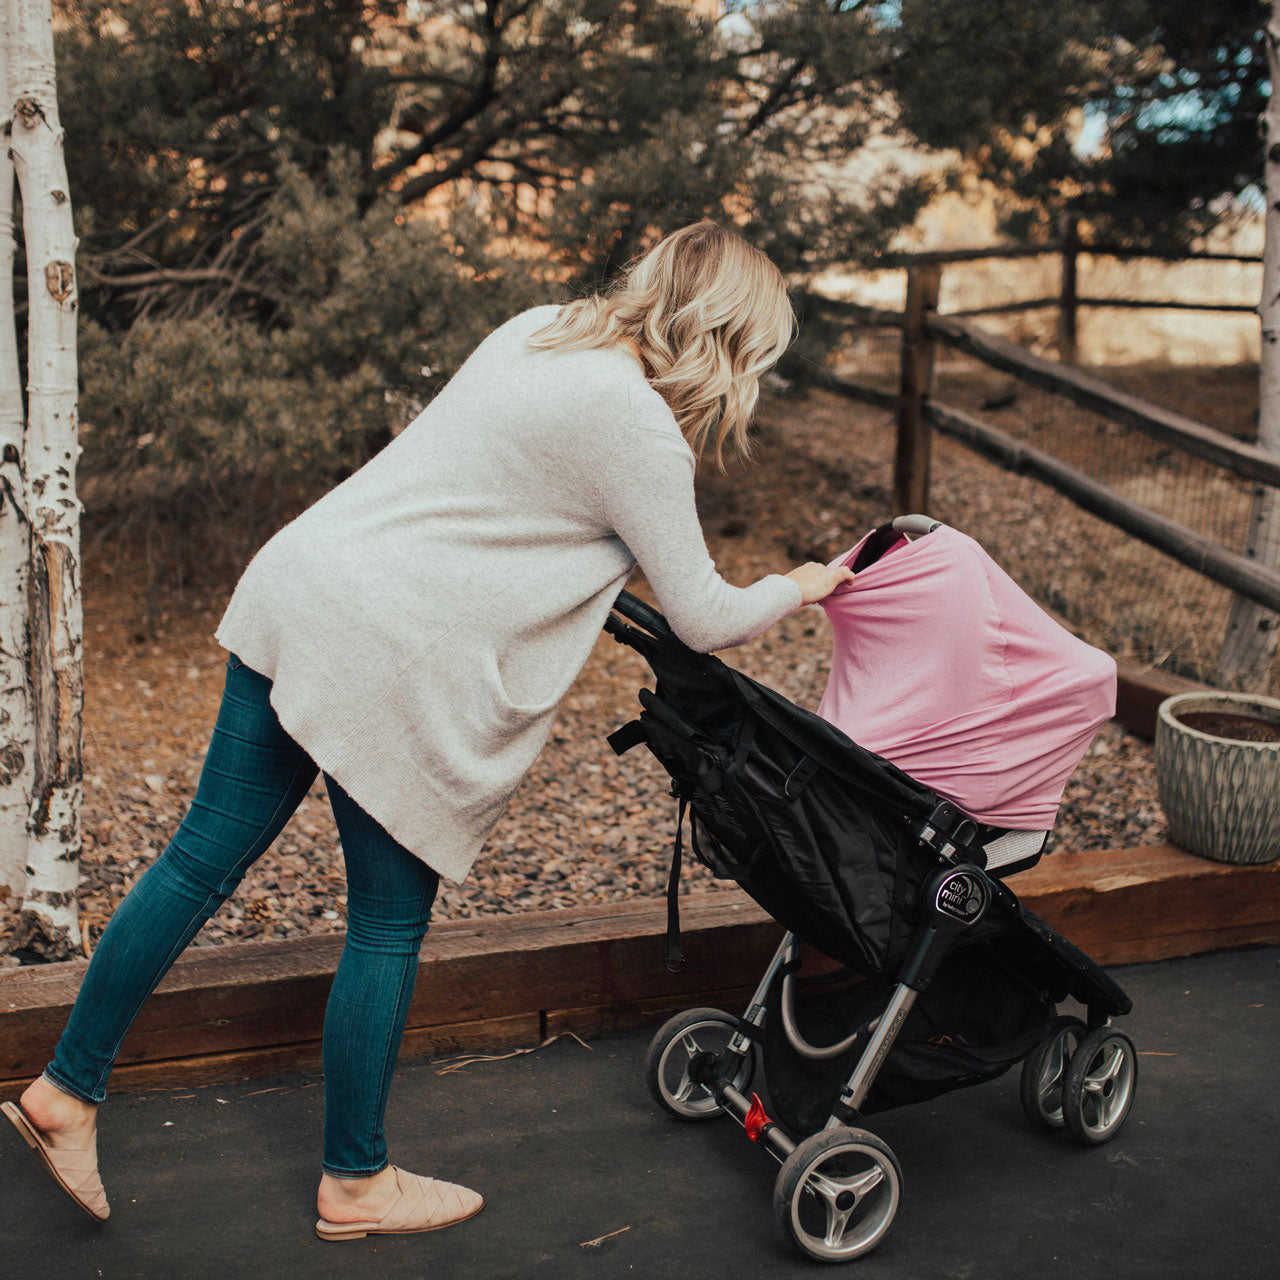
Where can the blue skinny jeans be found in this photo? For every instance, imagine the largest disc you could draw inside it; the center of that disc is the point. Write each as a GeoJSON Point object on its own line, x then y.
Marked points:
{"type": "Point", "coordinates": [253, 778]}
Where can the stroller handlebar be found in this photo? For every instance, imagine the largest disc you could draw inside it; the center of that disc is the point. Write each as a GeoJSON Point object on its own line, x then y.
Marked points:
{"type": "Point", "coordinates": [643, 615]}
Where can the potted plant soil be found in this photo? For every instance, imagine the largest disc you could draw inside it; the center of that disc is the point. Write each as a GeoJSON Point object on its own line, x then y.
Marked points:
{"type": "Point", "coordinates": [1218, 774]}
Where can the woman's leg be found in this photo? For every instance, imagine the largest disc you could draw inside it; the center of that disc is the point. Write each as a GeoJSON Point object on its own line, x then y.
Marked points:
{"type": "Point", "coordinates": [389, 897]}
{"type": "Point", "coordinates": [254, 775]}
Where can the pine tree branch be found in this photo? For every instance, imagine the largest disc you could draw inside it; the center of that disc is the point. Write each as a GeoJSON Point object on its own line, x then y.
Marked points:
{"type": "Point", "coordinates": [778, 97]}
{"type": "Point", "coordinates": [170, 276]}
{"type": "Point", "coordinates": [145, 234]}
{"type": "Point", "coordinates": [478, 149]}
{"type": "Point", "coordinates": [543, 177]}
{"type": "Point", "coordinates": [483, 93]}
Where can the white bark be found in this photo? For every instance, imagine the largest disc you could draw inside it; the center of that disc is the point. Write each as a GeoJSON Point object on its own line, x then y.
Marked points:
{"type": "Point", "coordinates": [16, 745]}
{"type": "Point", "coordinates": [1252, 631]}
{"type": "Point", "coordinates": [51, 451]}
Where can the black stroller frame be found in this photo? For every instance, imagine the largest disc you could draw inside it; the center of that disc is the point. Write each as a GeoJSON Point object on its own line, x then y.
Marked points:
{"type": "Point", "coordinates": [839, 1187]}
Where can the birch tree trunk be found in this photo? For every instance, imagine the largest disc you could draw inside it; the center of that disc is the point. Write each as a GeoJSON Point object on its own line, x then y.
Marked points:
{"type": "Point", "coordinates": [48, 924]}
{"type": "Point", "coordinates": [1252, 631]}
{"type": "Point", "coordinates": [15, 704]}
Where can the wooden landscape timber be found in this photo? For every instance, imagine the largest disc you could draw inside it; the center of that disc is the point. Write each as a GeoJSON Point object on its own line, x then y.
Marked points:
{"type": "Point", "coordinates": [256, 1008]}
{"type": "Point", "coordinates": [1132, 906]}
{"type": "Point", "coordinates": [1141, 690]}
{"type": "Point", "coordinates": [238, 1009]}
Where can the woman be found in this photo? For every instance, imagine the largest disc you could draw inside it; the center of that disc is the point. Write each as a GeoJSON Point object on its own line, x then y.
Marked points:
{"type": "Point", "coordinates": [411, 635]}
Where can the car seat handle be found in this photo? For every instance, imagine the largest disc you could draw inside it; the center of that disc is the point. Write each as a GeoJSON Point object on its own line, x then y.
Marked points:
{"type": "Point", "coordinates": [916, 524]}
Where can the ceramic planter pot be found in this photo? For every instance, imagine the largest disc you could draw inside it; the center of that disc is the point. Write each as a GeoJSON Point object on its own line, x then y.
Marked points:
{"type": "Point", "coordinates": [1220, 793]}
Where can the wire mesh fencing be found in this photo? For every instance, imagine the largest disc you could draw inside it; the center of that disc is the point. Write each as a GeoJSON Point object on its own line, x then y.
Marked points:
{"type": "Point", "coordinates": [1205, 498]}
{"type": "Point", "coordinates": [1111, 588]}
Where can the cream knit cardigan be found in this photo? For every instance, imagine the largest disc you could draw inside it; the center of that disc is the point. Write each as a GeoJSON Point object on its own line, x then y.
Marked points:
{"type": "Point", "coordinates": [422, 621]}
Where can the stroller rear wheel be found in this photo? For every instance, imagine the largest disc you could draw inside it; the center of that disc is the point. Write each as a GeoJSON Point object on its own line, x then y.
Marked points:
{"type": "Point", "coordinates": [837, 1193]}
{"type": "Point", "coordinates": [1099, 1087]}
{"type": "Point", "coordinates": [1044, 1071]}
{"type": "Point", "coordinates": [695, 1044]}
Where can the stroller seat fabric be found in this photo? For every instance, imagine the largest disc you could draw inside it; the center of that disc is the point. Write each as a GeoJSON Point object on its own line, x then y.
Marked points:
{"type": "Point", "coordinates": [820, 832]}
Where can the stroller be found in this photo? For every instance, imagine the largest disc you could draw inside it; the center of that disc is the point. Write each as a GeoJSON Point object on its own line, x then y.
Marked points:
{"type": "Point", "coordinates": [946, 979]}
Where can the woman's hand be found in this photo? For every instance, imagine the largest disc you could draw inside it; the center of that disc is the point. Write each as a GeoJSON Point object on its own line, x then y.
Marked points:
{"type": "Point", "coordinates": [817, 581]}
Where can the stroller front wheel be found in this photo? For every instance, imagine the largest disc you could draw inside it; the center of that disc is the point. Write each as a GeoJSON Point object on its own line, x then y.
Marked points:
{"type": "Point", "coordinates": [695, 1043]}
{"type": "Point", "coordinates": [837, 1194]}
{"type": "Point", "coordinates": [1044, 1072]}
{"type": "Point", "coordinates": [1099, 1087]}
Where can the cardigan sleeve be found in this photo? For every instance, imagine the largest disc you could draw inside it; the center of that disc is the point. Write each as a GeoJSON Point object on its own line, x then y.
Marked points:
{"type": "Point", "coordinates": [647, 495]}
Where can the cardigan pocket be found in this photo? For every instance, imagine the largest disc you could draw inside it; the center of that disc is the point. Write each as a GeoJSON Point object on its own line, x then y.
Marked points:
{"type": "Point", "coordinates": [505, 704]}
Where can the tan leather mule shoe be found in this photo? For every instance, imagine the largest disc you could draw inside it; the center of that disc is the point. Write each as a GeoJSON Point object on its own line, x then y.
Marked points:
{"type": "Point", "coordinates": [74, 1169]}
{"type": "Point", "coordinates": [424, 1204]}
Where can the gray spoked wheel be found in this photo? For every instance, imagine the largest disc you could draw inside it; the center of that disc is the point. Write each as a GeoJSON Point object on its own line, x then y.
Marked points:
{"type": "Point", "coordinates": [1100, 1084]}
{"type": "Point", "coordinates": [688, 1037]}
{"type": "Point", "coordinates": [1044, 1071]}
{"type": "Point", "coordinates": [837, 1194]}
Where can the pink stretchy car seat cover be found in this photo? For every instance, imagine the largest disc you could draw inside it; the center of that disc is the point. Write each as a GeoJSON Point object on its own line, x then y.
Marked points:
{"type": "Point", "coordinates": [946, 667]}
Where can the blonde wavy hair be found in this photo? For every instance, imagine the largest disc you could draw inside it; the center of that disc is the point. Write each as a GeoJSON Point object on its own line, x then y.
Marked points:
{"type": "Point", "coordinates": [708, 312]}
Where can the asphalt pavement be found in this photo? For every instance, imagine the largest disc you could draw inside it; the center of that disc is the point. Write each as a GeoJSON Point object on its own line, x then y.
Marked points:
{"type": "Point", "coordinates": [584, 1177]}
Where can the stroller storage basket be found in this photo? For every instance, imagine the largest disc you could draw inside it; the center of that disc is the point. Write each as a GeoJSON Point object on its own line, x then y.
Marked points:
{"type": "Point", "coordinates": [978, 1018]}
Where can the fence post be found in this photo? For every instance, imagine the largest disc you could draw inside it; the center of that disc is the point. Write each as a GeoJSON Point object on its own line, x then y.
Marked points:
{"type": "Point", "coordinates": [911, 465]}
{"type": "Point", "coordinates": [1070, 237]}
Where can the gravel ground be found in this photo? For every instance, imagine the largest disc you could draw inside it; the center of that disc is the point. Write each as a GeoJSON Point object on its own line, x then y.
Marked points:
{"type": "Point", "coordinates": [584, 825]}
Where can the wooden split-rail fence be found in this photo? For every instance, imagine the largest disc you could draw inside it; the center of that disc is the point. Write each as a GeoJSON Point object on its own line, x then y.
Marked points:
{"type": "Point", "coordinates": [918, 415]}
